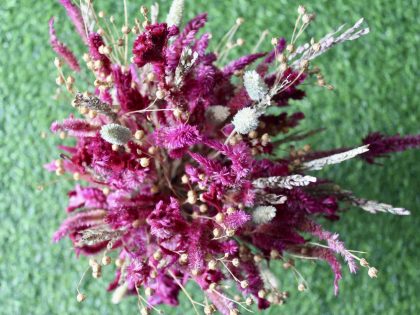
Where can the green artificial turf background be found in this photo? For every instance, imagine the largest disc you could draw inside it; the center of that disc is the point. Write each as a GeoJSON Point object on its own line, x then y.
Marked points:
{"type": "Point", "coordinates": [377, 89]}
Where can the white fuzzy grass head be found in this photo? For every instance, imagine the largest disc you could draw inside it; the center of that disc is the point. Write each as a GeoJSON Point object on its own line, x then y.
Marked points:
{"type": "Point", "coordinates": [115, 134]}
{"type": "Point", "coordinates": [175, 13]}
{"type": "Point", "coordinates": [263, 214]}
{"type": "Point", "coordinates": [255, 86]}
{"type": "Point", "coordinates": [217, 113]}
{"type": "Point", "coordinates": [246, 120]}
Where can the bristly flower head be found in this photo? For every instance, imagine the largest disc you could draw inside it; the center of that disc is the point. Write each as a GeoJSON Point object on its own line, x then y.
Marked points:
{"type": "Point", "coordinates": [255, 86]}
{"type": "Point", "coordinates": [263, 214]}
{"type": "Point", "coordinates": [246, 120]}
{"type": "Point", "coordinates": [187, 176]}
{"type": "Point", "coordinates": [115, 134]}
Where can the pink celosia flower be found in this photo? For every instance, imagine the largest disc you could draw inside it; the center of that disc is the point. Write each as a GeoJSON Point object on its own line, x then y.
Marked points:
{"type": "Point", "coordinates": [62, 49]}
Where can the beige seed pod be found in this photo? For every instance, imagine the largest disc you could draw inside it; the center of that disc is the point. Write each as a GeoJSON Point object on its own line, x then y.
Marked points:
{"type": "Point", "coordinates": [80, 297]}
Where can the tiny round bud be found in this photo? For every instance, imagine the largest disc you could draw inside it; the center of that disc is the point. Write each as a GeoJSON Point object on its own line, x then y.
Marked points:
{"type": "Point", "coordinates": [76, 176]}
{"type": "Point", "coordinates": [96, 274]}
{"type": "Point", "coordinates": [160, 94]}
{"type": "Point", "coordinates": [253, 134]}
{"type": "Point", "coordinates": [244, 284]}
{"type": "Point", "coordinates": [363, 262]}
{"type": "Point", "coordinates": [92, 262]}
{"type": "Point", "coordinates": [282, 58]}
{"type": "Point", "coordinates": [135, 29]}
{"type": "Point", "coordinates": [304, 64]}
{"type": "Point", "coordinates": [62, 135]}
{"type": "Point", "coordinates": [301, 287]}
{"type": "Point", "coordinates": [80, 297]}
{"type": "Point", "coordinates": [70, 80]}
{"type": "Point", "coordinates": [115, 147]}
{"type": "Point", "coordinates": [220, 217]}
{"type": "Point", "coordinates": [230, 232]}
{"type": "Point", "coordinates": [153, 274]}
{"type": "Point", "coordinates": [144, 162]}
{"type": "Point", "coordinates": [184, 179]}
{"type": "Point", "coordinates": [58, 63]}
{"type": "Point", "coordinates": [212, 264]}
{"type": "Point", "coordinates": [274, 254]}
{"type": "Point", "coordinates": [106, 191]}
{"type": "Point", "coordinates": [152, 150]}
{"type": "Point", "coordinates": [144, 10]}
{"type": "Point", "coordinates": [301, 10]}
{"type": "Point", "coordinates": [106, 260]}
{"type": "Point", "coordinates": [92, 114]}
{"type": "Point", "coordinates": [283, 67]}
{"type": "Point", "coordinates": [258, 258]}
{"type": "Point", "coordinates": [150, 76]}
{"type": "Point", "coordinates": [59, 163]}
{"type": "Point", "coordinates": [195, 272]}
{"type": "Point", "coordinates": [316, 47]}
{"type": "Point", "coordinates": [101, 32]}
{"type": "Point", "coordinates": [59, 80]}
{"type": "Point", "coordinates": [144, 311]}
{"type": "Point", "coordinates": [139, 134]}
{"type": "Point", "coordinates": [241, 205]}
{"type": "Point", "coordinates": [98, 64]}
{"type": "Point", "coordinates": [96, 268]}
{"type": "Point", "coordinates": [119, 262]}
{"type": "Point", "coordinates": [59, 171]}
{"type": "Point", "coordinates": [235, 262]}
{"type": "Point", "coordinates": [212, 286]}
{"type": "Point", "coordinates": [234, 311]}
{"type": "Point", "coordinates": [101, 14]}
{"type": "Point", "coordinates": [86, 57]}
{"type": "Point", "coordinates": [203, 208]}
{"type": "Point", "coordinates": [262, 293]}
{"type": "Point", "coordinates": [154, 189]}
{"type": "Point", "coordinates": [192, 199]}
{"type": "Point", "coordinates": [321, 82]}
{"type": "Point", "coordinates": [230, 210]}
{"type": "Point", "coordinates": [240, 21]}
{"type": "Point", "coordinates": [306, 18]}
{"type": "Point", "coordinates": [217, 232]}
{"type": "Point", "coordinates": [249, 301]}
{"type": "Point", "coordinates": [274, 41]}
{"type": "Point", "coordinates": [107, 50]}
{"type": "Point", "coordinates": [233, 141]}
{"type": "Point", "coordinates": [135, 224]}
{"type": "Point", "coordinates": [157, 255]}
{"type": "Point", "coordinates": [183, 259]}
{"type": "Point", "coordinates": [290, 48]}
{"type": "Point", "coordinates": [148, 291]}
{"type": "Point", "coordinates": [373, 272]}
{"type": "Point", "coordinates": [177, 113]}
{"type": "Point", "coordinates": [265, 137]}
{"type": "Point", "coordinates": [125, 30]}
{"type": "Point", "coordinates": [288, 264]}
{"type": "Point", "coordinates": [240, 42]}
{"type": "Point", "coordinates": [90, 65]}
{"type": "Point", "coordinates": [112, 19]}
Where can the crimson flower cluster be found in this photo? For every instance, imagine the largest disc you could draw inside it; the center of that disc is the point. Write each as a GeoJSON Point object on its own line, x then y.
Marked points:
{"type": "Point", "coordinates": [177, 157]}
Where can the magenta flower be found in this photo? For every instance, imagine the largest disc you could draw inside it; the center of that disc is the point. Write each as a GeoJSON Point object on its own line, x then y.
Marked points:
{"type": "Point", "coordinates": [150, 46]}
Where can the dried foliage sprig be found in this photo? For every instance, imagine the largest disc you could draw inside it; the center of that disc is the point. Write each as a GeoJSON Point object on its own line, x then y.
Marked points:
{"type": "Point", "coordinates": [181, 179]}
